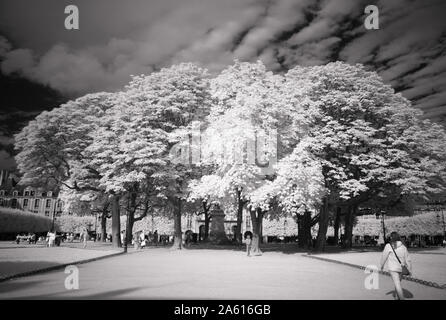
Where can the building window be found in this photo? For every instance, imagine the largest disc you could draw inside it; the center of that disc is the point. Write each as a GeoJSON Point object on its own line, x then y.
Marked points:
{"type": "Point", "coordinates": [15, 193]}
{"type": "Point", "coordinates": [49, 194]}
{"type": "Point", "coordinates": [248, 222]}
{"type": "Point", "coordinates": [14, 203]}
{"type": "Point", "coordinates": [36, 203]}
{"type": "Point", "coordinates": [59, 203]}
{"type": "Point", "coordinates": [2, 192]}
{"type": "Point", "coordinates": [26, 193]}
{"type": "Point", "coordinates": [48, 203]}
{"type": "Point", "coordinates": [47, 213]}
{"type": "Point", "coordinates": [43, 194]}
{"type": "Point", "coordinates": [25, 202]}
{"type": "Point", "coordinates": [32, 193]}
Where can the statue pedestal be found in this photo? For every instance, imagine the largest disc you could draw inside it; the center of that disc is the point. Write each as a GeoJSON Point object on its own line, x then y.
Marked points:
{"type": "Point", "coordinates": [217, 229]}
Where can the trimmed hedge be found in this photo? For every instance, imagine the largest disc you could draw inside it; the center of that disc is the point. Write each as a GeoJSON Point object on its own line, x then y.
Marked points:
{"type": "Point", "coordinates": [164, 225]}
{"type": "Point", "coordinates": [425, 224]}
{"type": "Point", "coordinates": [72, 223]}
{"type": "Point", "coordinates": [75, 224]}
{"type": "Point", "coordinates": [286, 227]}
{"type": "Point", "coordinates": [18, 221]}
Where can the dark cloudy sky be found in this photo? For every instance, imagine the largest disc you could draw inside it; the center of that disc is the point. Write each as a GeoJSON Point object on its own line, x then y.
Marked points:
{"type": "Point", "coordinates": [42, 64]}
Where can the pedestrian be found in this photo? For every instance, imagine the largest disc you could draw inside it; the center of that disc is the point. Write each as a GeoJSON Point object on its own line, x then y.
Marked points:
{"type": "Point", "coordinates": [51, 238]}
{"type": "Point", "coordinates": [155, 237]}
{"type": "Point", "coordinates": [84, 237]}
{"type": "Point", "coordinates": [142, 238]}
{"type": "Point", "coordinates": [396, 255]}
{"type": "Point", "coordinates": [32, 239]}
{"type": "Point", "coordinates": [123, 237]}
{"type": "Point", "coordinates": [135, 241]}
{"type": "Point", "coordinates": [248, 241]}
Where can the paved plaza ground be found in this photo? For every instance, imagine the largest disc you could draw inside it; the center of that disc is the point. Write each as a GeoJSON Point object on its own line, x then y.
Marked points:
{"type": "Point", "coordinates": [16, 259]}
{"type": "Point", "coordinates": [428, 264]}
{"type": "Point", "coordinates": [160, 273]}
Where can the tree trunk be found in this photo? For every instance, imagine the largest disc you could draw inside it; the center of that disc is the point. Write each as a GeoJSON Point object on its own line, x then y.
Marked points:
{"type": "Point", "coordinates": [261, 230]}
{"type": "Point", "coordinates": [323, 226]}
{"type": "Point", "coordinates": [129, 228]}
{"type": "Point", "coordinates": [348, 235]}
{"type": "Point", "coordinates": [304, 230]}
{"type": "Point", "coordinates": [116, 222]}
{"type": "Point", "coordinates": [130, 220]}
{"type": "Point", "coordinates": [300, 230]}
{"type": "Point", "coordinates": [256, 220]}
{"type": "Point", "coordinates": [104, 225]}
{"type": "Point", "coordinates": [207, 220]}
{"type": "Point", "coordinates": [307, 230]}
{"type": "Point", "coordinates": [336, 225]}
{"type": "Point", "coordinates": [178, 235]}
{"type": "Point", "coordinates": [240, 204]}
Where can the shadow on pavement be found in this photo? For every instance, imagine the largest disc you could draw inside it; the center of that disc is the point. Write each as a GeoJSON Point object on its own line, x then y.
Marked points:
{"type": "Point", "coordinates": [109, 294]}
{"type": "Point", "coordinates": [286, 248]}
{"type": "Point", "coordinates": [65, 295]}
{"type": "Point", "coordinates": [406, 293]}
{"type": "Point", "coordinates": [9, 268]}
{"type": "Point", "coordinates": [11, 285]}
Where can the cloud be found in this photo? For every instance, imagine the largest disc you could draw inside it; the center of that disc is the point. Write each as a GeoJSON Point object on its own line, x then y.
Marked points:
{"type": "Point", "coordinates": [159, 42]}
{"type": "Point", "coordinates": [407, 51]}
{"type": "Point", "coordinates": [18, 60]}
{"type": "Point", "coordinates": [6, 160]}
{"type": "Point", "coordinates": [5, 46]}
{"type": "Point", "coordinates": [279, 17]}
{"type": "Point", "coordinates": [11, 120]}
{"type": "Point", "coordinates": [309, 54]}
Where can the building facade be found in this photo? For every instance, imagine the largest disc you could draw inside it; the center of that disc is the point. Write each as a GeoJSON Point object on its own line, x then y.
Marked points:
{"type": "Point", "coordinates": [29, 199]}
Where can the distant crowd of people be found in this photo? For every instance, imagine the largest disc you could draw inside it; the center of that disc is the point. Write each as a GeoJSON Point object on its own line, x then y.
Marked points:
{"type": "Point", "coordinates": [141, 239]}
{"type": "Point", "coordinates": [31, 238]}
{"type": "Point", "coordinates": [51, 238]}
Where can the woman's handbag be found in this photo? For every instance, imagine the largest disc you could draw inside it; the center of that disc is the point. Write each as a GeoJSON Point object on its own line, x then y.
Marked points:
{"type": "Point", "coordinates": [404, 270]}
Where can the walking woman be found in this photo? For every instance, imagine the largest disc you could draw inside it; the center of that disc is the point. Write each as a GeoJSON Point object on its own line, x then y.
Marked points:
{"type": "Point", "coordinates": [248, 244]}
{"type": "Point", "coordinates": [84, 237]}
{"type": "Point", "coordinates": [396, 256]}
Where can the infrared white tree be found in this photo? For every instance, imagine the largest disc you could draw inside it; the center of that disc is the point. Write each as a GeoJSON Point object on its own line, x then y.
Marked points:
{"type": "Point", "coordinates": [363, 134]}
{"type": "Point", "coordinates": [241, 133]}
{"type": "Point", "coordinates": [154, 117]}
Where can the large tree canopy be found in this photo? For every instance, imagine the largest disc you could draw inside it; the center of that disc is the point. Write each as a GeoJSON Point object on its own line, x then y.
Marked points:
{"type": "Point", "coordinates": [370, 141]}
{"type": "Point", "coordinates": [309, 143]}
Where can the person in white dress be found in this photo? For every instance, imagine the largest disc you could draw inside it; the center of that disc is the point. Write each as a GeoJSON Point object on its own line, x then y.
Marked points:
{"type": "Point", "coordinates": [51, 238]}
{"type": "Point", "coordinates": [142, 238]}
